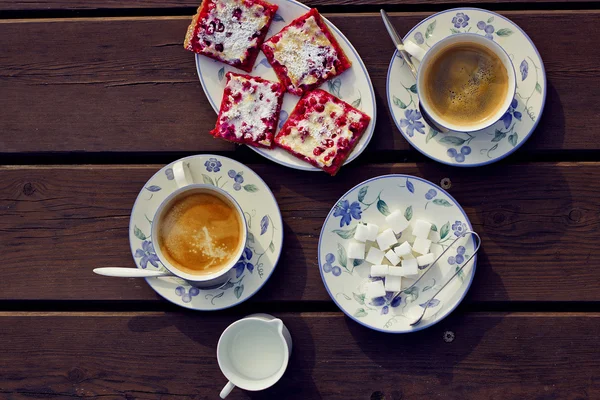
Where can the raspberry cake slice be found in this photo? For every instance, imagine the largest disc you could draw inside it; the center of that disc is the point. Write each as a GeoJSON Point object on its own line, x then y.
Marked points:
{"type": "Point", "coordinates": [305, 54]}
{"type": "Point", "coordinates": [322, 130]}
{"type": "Point", "coordinates": [230, 31]}
{"type": "Point", "coordinates": [249, 110]}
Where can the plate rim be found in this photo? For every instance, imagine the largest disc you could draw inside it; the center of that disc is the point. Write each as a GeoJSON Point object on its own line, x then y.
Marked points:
{"type": "Point", "coordinates": [189, 305]}
{"type": "Point", "coordinates": [493, 160]}
{"type": "Point", "coordinates": [308, 167]}
{"type": "Point", "coordinates": [348, 314]}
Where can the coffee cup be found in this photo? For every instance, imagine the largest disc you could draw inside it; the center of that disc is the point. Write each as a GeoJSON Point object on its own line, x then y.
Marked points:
{"type": "Point", "coordinates": [466, 82]}
{"type": "Point", "coordinates": [199, 230]}
{"type": "Point", "coordinates": [253, 353]}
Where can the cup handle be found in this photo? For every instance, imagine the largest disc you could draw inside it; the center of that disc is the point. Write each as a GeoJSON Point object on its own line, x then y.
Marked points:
{"type": "Point", "coordinates": [226, 390]}
{"type": "Point", "coordinates": [182, 175]}
{"type": "Point", "coordinates": [413, 49]}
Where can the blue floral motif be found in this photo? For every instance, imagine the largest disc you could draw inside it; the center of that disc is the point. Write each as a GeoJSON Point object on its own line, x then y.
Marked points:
{"type": "Point", "coordinates": [411, 122]}
{"type": "Point", "coordinates": [512, 112]}
{"type": "Point", "coordinates": [387, 301]}
{"type": "Point", "coordinates": [329, 267]}
{"type": "Point", "coordinates": [244, 263]}
{"type": "Point", "coordinates": [419, 38]}
{"type": "Point", "coordinates": [461, 155]}
{"type": "Point", "coordinates": [186, 297]}
{"type": "Point", "coordinates": [459, 228]}
{"type": "Point", "coordinates": [431, 193]}
{"type": "Point", "coordinates": [237, 177]}
{"type": "Point", "coordinates": [147, 254]}
{"type": "Point", "coordinates": [461, 20]}
{"type": "Point", "coordinates": [169, 174]}
{"type": "Point", "coordinates": [213, 165]}
{"type": "Point", "coordinates": [347, 211]}
{"type": "Point", "coordinates": [487, 28]}
{"type": "Point", "coordinates": [459, 258]}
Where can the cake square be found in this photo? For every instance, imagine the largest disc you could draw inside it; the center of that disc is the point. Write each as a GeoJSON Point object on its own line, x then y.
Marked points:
{"type": "Point", "coordinates": [249, 110]}
{"type": "Point", "coordinates": [322, 130]}
{"type": "Point", "coordinates": [305, 54]}
{"type": "Point", "coordinates": [230, 31]}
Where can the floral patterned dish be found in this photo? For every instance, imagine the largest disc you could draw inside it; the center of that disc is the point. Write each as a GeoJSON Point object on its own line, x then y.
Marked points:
{"type": "Point", "coordinates": [353, 86]}
{"type": "Point", "coordinates": [265, 232]}
{"type": "Point", "coordinates": [499, 140]}
{"type": "Point", "coordinates": [371, 201]}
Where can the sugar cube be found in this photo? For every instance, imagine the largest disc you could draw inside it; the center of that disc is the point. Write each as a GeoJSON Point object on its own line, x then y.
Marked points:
{"type": "Point", "coordinates": [356, 250]}
{"type": "Point", "coordinates": [362, 233]}
{"type": "Point", "coordinates": [396, 221]}
{"type": "Point", "coordinates": [386, 239]}
{"type": "Point", "coordinates": [403, 249]}
{"type": "Point", "coordinates": [375, 289]}
{"type": "Point", "coordinates": [393, 284]}
{"type": "Point", "coordinates": [421, 229]}
{"type": "Point", "coordinates": [425, 259]}
{"type": "Point", "coordinates": [373, 231]}
{"type": "Point", "coordinates": [392, 257]}
{"type": "Point", "coordinates": [434, 236]}
{"type": "Point", "coordinates": [436, 249]}
{"type": "Point", "coordinates": [379, 270]}
{"type": "Point", "coordinates": [375, 256]}
{"type": "Point", "coordinates": [408, 257]}
{"type": "Point", "coordinates": [421, 245]}
{"type": "Point", "coordinates": [395, 271]}
{"type": "Point", "coordinates": [410, 267]}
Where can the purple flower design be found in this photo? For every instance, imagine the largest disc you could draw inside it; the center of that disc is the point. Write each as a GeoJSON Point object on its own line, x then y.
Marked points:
{"type": "Point", "coordinates": [512, 112]}
{"type": "Point", "coordinates": [387, 301]}
{"type": "Point", "coordinates": [459, 228]}
{"type": "Point", "coordinates": [237, 177]}
{"type": "Point", "coordinates": [412, 122]}
{"type": "Point", "coordinates": [186, 297]}
{"type": "Point", "coordinates": [244, 263]}
{"type": "Point", "coordinates": [461, 20]}
{"type": "Point", "coordinates": [213, 165]}
{"type": "Point", "coordinates": [488, 29]}
{"type": "Point", "coordinates": [419, 38]}
{"type": "Point", "coordinates": [431, 193]}
{"type": "Point", "coordinates": [347, 211]}
{"type": "Point", "coordinates": [147, 254]}
{"type": "Point", "coordinates": [328, 267]}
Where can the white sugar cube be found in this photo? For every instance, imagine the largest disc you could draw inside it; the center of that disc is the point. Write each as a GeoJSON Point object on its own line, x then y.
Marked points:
{"type": "Point", "coordinates": [421, 245]}
{"type": "Point", "coordinates": [393, 284]}
{"type": "Point", "coordinates": [396, 221]}
{"type": "Point", "coordinates": [395, 271]}
{"type": "Point", "coordinates": [410, 267]}
{"type": "Point", "coordinates": [386, 239]}
{"type": "Point", "coordinates": [436, 249]}
{"type": "Point", "coordinates": [373, 231]}
{"type": "Point", "coordinates": [425, 259]}
{"type": "Point", "coordinates": [362, 233]}
{"type": "Point", "coordinates": [375, 256]}
{"type": "Point", "coordinates": [375, 289]}
{"type": "Point", "coordinates": [421, 229]}
{"type": "Point", "coordinates": [356, 250]}
{"type": "Point", "coordinates": [403, 249]}
{"type": "Point", "coordinates": [392, 257]}
{"type": "Point", "coordinates": [434, 236]}
{"type": "Point", "coordinates": [379, 270]}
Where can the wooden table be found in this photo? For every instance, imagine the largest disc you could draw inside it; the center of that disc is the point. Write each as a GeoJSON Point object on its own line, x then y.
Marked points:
{"type": "Point", "coordinates": [97, 95]}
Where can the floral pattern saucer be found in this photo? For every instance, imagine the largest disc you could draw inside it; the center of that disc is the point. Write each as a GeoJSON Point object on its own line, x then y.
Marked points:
{"type": "Point", "coordinates": [265, 232]}
{"type": "Point", "coordinates": [353, 86]}
{"type": "Point", "coordinates": [371, 201]}
{"type": "Point", "coordinates": [499, 140]}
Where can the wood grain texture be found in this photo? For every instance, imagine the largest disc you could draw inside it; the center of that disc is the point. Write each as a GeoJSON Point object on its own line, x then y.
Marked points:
{"type": "Point", "coordinates": [46, 5]}
{"type": "Point", "coordinates": [539, 223]}
{"type": "Point", "coordinates": [172, 356]}
{"type": "Point", "coordinates": [127, 85]}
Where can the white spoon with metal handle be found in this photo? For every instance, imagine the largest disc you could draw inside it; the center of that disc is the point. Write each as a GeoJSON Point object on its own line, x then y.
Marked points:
{"type": "Point", "coordinates": [130, 272]}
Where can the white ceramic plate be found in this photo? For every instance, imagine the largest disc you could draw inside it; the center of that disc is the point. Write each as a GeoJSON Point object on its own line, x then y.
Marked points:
{"type": "Point", "coordinates": [353, 86]}
{"type": "Point", "coordinates": [499, 140]}
{"type": "Point", "coordinates": [265, 232]}
{"type": "Point", "coordinates": [371, 201]}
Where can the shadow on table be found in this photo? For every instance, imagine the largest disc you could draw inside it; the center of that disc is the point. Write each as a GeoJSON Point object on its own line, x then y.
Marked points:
{"type": "Point", "coordinates": [551, 128]}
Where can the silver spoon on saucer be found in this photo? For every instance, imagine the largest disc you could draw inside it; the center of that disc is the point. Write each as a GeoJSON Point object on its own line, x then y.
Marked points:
{"type": "Point", "coordinates": [407, 58]}
{"type": "Point", "coordinates": [120, 272]}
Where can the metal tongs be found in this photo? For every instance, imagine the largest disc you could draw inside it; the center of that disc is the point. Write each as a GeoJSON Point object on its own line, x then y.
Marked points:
{"type": "Point", "coordinates": [448, 281]}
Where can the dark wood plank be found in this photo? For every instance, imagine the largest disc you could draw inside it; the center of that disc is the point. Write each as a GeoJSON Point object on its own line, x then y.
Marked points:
{"type": "Point", "coordinates": [172, 356]}
{"type": "Point", "coordinates": [539, 224]}
{"type": "Point", "coordinates": [127, 85]}
{"type": "Point", "coordinates": [45, 5]}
